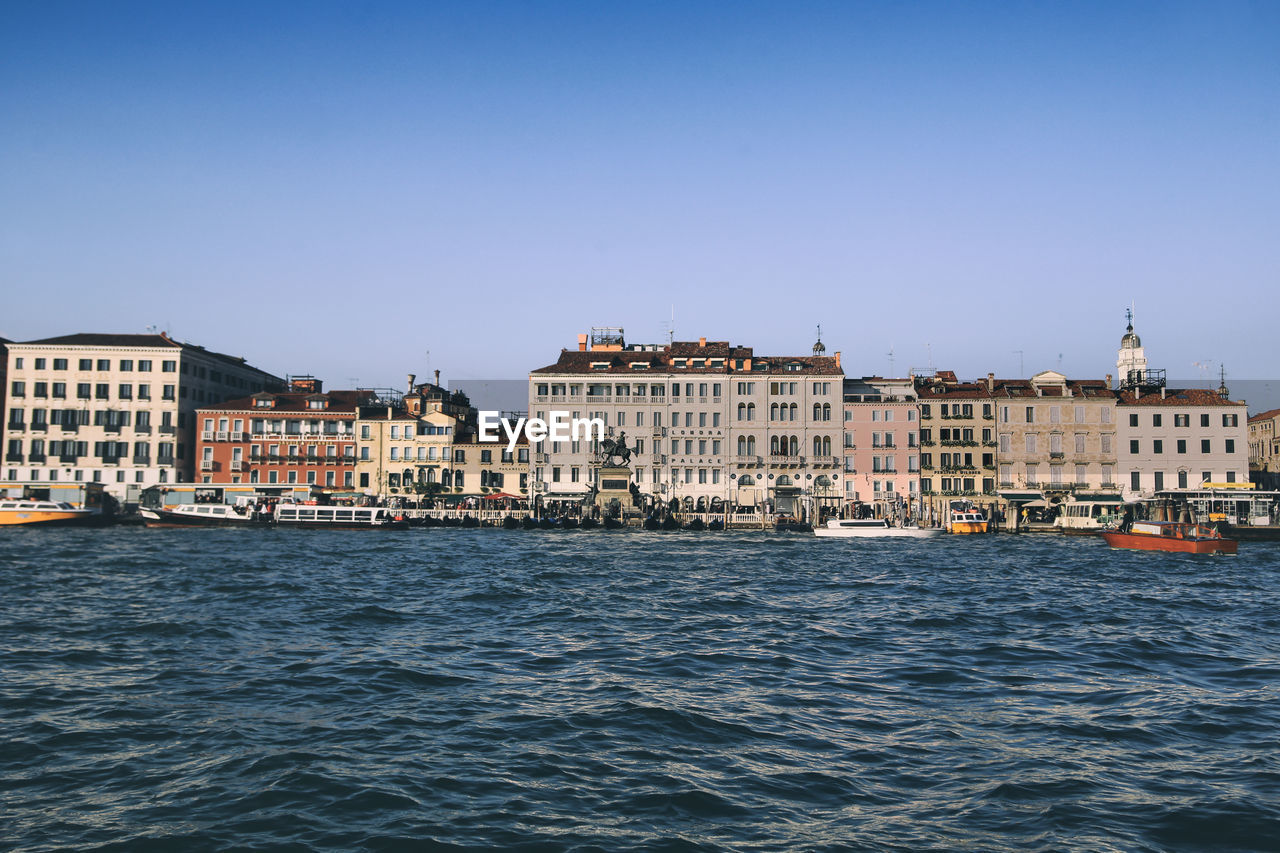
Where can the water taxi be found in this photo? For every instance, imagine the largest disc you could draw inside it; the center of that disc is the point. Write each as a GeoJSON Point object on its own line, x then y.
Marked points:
{"type": "Point", "coordinates": [966, 519]}
{"type": "Point", "coordinates": [1174, 536]}
{"type": "Point", "coordinates": [873, 527]}
{"type": "Point", "coordinates": [1085, 514]}
{"type": "Point", "coordinates": [18, 512]}
{"type": "Point", "coordinates": [241, 514]}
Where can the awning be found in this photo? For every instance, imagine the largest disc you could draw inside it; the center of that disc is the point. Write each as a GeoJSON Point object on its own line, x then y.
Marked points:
{"type": "Point", "coordinates": [1021, 496]}
{"type": "Point", "coordinates": [501, 496]}
{"type": "Point", "coordinates": [1107, 497]}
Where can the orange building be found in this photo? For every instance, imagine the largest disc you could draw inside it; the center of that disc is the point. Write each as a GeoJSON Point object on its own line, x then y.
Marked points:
{"type": "Point", "coordinates": [304, 435]}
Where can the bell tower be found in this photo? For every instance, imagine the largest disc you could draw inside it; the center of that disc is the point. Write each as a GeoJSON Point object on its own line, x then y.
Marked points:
{"type": "Point", "coordinates": [1131, 362]}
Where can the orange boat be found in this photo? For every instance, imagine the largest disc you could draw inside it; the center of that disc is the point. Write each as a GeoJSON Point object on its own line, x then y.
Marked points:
{"type": "Point", "coordinates": [1174, 536]}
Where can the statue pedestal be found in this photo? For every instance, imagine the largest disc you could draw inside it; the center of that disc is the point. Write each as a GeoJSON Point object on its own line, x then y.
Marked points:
{"type": "Point", "coordinates": [613, 482]}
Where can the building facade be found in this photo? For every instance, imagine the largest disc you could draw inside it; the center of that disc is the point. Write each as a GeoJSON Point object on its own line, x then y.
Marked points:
{"type": "Point", "coordinates": [708, 424]}
{"type": "Point", "coordinates": [1264, 449]}
{"type": "Point", "coordinates": [957, 442]}
{"type": "Point", "coordinates": [881, 447]}
{"type": "Point", "coordinates": [114, 409]}
{"type": "Point", "coordinates": [1179, 439]}
{"type": "Point", "coordinates": [301, 436]}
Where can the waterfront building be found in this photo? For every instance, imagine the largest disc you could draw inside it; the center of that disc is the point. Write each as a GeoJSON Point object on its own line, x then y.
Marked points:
{"type": "Point", "coordinates": [1264, 449]}
{"type": "Point", "coordinates": [406, 445]}
{"type": "Point", "coordinates": [304, 435]}
{"type": "Point", "coordinates": [1179, 439]}
{"type": "Point", "coordinates": [13, 452]}
{"type": "Point", "coordinates": [1174, 438]}
{"type": "Point", "coordinates": [881, 472]}
{"type": "Point", "coordinates": [957, 442]}
{"type": "Point", "coordinates": [114, 409]}
{"type": "Point", "coordinates": [708, 423]}
{"type": "Point", "coordinates": [488, 468]}
{"type": "Point", "coordinates": [1055, 437]}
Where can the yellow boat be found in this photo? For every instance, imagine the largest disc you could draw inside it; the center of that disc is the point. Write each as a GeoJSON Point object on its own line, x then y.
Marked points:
{"type": "Point", "coordinates": [46, 513]}
{"type": "Point", "coordinates": [966, 519]}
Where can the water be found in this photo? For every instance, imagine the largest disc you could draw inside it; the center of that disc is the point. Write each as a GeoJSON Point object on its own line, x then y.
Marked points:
{"type": "Point", "coordinates": [210, 689]}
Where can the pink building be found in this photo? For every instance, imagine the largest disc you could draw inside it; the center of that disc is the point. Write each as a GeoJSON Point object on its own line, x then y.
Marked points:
{"type": "Point", "coordinates": [881, 447]}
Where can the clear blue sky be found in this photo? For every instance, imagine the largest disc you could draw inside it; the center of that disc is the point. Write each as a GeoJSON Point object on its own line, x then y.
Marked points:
{"type": "Point", "coordinates": [342, 188]}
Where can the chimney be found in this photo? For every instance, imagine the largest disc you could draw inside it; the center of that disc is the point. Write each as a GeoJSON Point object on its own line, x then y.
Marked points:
{"type": "Point", "coordinates": [582, 343]}
{"type": "Point", "coordinates": [837, 358]}
{"type": "Point", "coordinates": [991, 383]}
{"type": "Point", "coordinates": [412, 376]}
{"type": "Point", "coordinates": [1162, 390]}
{"type": "Point", "coordinates": [702, 342]}
{"type": "Point", "coordinates": [437, 379]}
{"type": "Point", "coordinates": [1109, 380]}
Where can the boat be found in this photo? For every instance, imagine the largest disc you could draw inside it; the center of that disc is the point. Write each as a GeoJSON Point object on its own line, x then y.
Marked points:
{"type": "Point", "coordinates": [873, 527]}
{"type": "Point", "coordinates": [1175, 536]}
{"type": "Point", "coordinates": [339, 517]}
{"type": "Point", "coordinates": [1090, 514]}
{"type": "Point", "coordinates": [205, 515]}
{"type": "Point", "coordinates": [19, 512]}
{"type": "Point", "coordinates": [965, 519]}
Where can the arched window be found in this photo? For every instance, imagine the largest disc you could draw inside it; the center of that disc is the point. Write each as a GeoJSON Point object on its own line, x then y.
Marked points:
{"type": "Point", "coordinates": [795, 446]}
{"type": "Point", "coordinates": [751, 445]}
{"type": "Point", "coordinates": [784, 480]}
{"type": "Point", "coordinates": [751, 411]}
{"type": "Point", "coordinates": [795, 412]}
{"type": "Point", "coordinates": [773, 445]}
{"type": "Point", "coordinates": [826, 445]}
{"type": "Point", "coordinates": [773, 411]}
{"type": "Point", "coordinates": [446, 478]}
{"type": "Point", "coordinates": [407, 476]}
{"type": "Point", "coordinates": [817, 412]}
{"type": "Point", "coordinates": [742, 411]}
{"type": "Point", "coordinates": [746, 480]}
{"type": "Point", "coordinates": [742, 445]}
{"type": "Point", "coordinates": [817, 446]}
{"type": "Point", "coordinates": [826, 411]}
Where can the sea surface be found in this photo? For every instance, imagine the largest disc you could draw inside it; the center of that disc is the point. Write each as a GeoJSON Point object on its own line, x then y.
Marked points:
{"type": "Point", "coordinates": [595, 690]}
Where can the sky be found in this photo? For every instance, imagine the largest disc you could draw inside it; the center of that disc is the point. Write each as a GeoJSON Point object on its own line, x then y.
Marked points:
{"type": "Point", "coordinates": [362, 190]}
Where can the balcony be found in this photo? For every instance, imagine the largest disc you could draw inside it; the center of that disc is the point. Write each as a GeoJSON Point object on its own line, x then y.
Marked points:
{"type": "Point", "coordinates": [142, 429]}
{"type": "Point", "coordinates": [778, 460]}
{"type": "Point", "coordinates": [144, 461]}
{"type": "Point", "coordinates": [1057, 455]}
{"type": "Point", "coordinates": [13, 457]}
{"type": "Point", "coordinates": [40, 427]}
{"type": "Point", "coordinates": [826, 461]}
{"type": "Point", "coordinates": [36, 457]}
{"type": "Point", "coordinates": [111, 460]}
{"type": "Point", "coordinates": [237, 436]}
{"type": "Point", "coordinates": [206, 435]}
{"type": "Point", "coordinates": [237, 465]}
{"type": "Point", "coordinates": [164, 459]}
{"type": "Point", "coordinates": [167, 429]}
{"type": "Point", "coordinates": [15, 427]}
{"type": "Point", "coordinates": [111, 427]}
{"type": "Point", "coordinates": [747, 461]}
{"type": "Point", "coordinates": [69, 458]}
{"type": "Point", "coordinates": [208, 465]}
{"type": "Point", "coordinates": [221, 435]}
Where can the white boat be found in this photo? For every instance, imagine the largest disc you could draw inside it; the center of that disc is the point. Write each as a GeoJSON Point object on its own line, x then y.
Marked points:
{"type": "Point", "coordinates": [873, 527]}
{"type": "Point", "coordinates": [339, 517]}
{"type": "Point", "coordinates": [204, 515]}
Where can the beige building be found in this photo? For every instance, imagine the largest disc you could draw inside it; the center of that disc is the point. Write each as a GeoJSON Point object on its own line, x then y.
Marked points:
{"type": "Point", "coordinates": [1264, 449]}
{"type": "Point", "coordinates": [957, 442]}
{"type": "Point", "coordinates": [114, 409]}
{"type": "Point", "coordinates": [1055, 435]}
{"type": "Point", "coordinates": [708, 424]}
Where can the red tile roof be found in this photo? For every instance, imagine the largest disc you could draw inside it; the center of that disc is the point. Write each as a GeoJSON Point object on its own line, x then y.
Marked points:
{"type": "Point", "coordinates": [1175, 397]}
{"type": "Point", "coordinates": [1264, 416]}
{"type": "Point", "coordinates": [295, 402]}
{"type": "Point", "coordinates": [618, 362]}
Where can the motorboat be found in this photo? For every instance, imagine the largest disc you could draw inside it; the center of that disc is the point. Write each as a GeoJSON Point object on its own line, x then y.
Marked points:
{"type": "Point", "coordinates": [204, 515]}
{"type": "Point", "coordinates": [19, 512]}
{"type": "Point", "coordinates": [1173, 536]}
{"type": "Point", "coordinates": [964, 518]}
{"type": "Point", "coordinates": [873, 527]}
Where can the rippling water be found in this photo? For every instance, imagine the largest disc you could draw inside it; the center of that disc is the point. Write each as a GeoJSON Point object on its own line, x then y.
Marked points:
{"type": "Point", "coordinates": [207, 689]}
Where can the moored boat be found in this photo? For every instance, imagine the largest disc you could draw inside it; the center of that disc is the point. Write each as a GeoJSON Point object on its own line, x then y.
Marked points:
{"type": "Point", "coordinates": [966, 519]}
{"type": "Point", "coordinates": [204, 515]}
{"type": "Point", "coordinates": [20, 512]}
{"type": "Point", "coordinates": [339, 517]}
{"type": "Point", "coordinates": [873, 527]}
{"type": "Point", "coordinates": [1173, 536]}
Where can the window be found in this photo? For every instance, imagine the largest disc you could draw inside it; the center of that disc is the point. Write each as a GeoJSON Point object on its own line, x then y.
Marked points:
{"type": "Point", "coordinates": [1182, 421]}
{"type": "Point", "coordinates": [102, 391]}
{"type": "Point", "coordinates": [125, 392]}
{"type": "Point", "coordinates": [60, 390]}
{"type": "Point", "coordinates": [1182, 445]}
{"type": "Point", "coordinates": [1182, 478]}
{"type": "Point", "coordinates": [1133, 419]}
{"type": "Point", "coordinates": [144, 391]}
{"type": "Point", "coordinates": [104, 364]}
{"type": "Point", "coordinates": [1157, 420]}
{"type": "Point", "coordinates": [59, 364]}
{"type": "Point", "coordinates": [1031, 414]}
{"type": "Point", "coordinates": [126, 365]}
{"type": "Point", "coordinates": [1133, 446]}
{"type": "Point", "coordinates": [86, 364]}
{"type": "Point", "coordinates": [18, 389]}
{"type": "Point", "coordinates": [1204, 445]}
{"type": "Point", "coordinates": [1157, 446]}
{"type": "Point", "coordinates": [1031, 443]}
{"type": "Point", "coordinates": [144, 365]}
{"type": "Point", "coordinates": [1159, 481]}
{"type": "Point", "coordinates": [1231, 443]}
{"type": "Point", "coordinates": [1079, 442]}
{"type": "Point", "coordinates": [1135, 481]}
{"type": "Point", "coordinates": [1204, 420]}
{"type": "Point", "coordinates": [169, 366]}
{"type": "Point", "coordinates": [168, 393]}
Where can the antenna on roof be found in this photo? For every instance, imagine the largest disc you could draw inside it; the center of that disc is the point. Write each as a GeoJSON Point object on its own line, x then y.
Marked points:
{"type": "Point", "coordinates": [892, 369]}
{"type": "Point", "coordinates": [1021, 370]}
